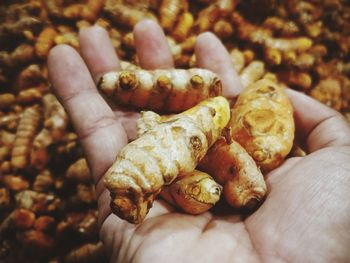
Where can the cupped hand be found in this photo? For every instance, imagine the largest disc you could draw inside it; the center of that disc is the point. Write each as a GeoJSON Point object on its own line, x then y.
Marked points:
{"type": "Point", "coordinates": [306, 215]}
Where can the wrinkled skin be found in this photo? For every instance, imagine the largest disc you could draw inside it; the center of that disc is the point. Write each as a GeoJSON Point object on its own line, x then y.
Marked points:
{"type": "Point", "coordinates": [306, 216]}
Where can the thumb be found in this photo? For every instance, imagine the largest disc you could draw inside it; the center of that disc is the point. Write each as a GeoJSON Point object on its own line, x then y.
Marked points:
{"type": "Point", "coordinates": [318, 125]}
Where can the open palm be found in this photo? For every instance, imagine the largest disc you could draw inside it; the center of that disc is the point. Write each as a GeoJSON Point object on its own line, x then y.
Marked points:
{"type": "Point", "coordinates": [306, 216]}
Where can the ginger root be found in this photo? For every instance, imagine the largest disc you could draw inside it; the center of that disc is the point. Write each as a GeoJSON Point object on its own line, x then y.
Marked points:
{"type": "Point", "coordinates": [329, 92]}
{"type": "Point", "coordinates": [89, 252]}
{"type": "Point", "coordinates": [38, 202]}
{"type": "Point", "coordinates": [207, 18]}
{"type": "Point", "coordinates": [14, 183]}
{"type": "Point", "coordinates": [24, 53]}
{"type": "Point", "coordinates": [183, 27]}
{"type": "Point", "coordinates": [56, 118]}
{"type": "Point", "coordinates": [147, 121]}
{"type": "Point", "coordinates": [54, 7]}
{"type": "Point", "coordinates": [73, 11]}
{"type": "Point", "coordinates": [173, 90]}
{"type": "Point", "coordinates": [6, 100]}
{"type": "Point", "coordinates": [31, 95]}
{"type": "Point", "coordinates": [226, 161]}
{"type": "Point", "coordinates": [45, 42]}
{"type": "Point", "coordinates": [223, 29]}
{"type": "Point", "coordinates": [44, 181]}
{"type": "Point", "coordinates": [92, 9]}
{"type": "Point", "coordinates": [263, 36]}
{"type": "Point", "coordinates": [278, 25]}
{"type": "Point", "coordinates": [253, 72]}
{"type": "Point", "coordinates": [4, 153]}
{"type": "Point", "coordinates": [26, 131]}
{"type": "Point", "coordinates": [79, 172]}
{"type": "Point", "coordinates": [231, 166]}
{"type": "Point", "coordinates": [22, 218]}
{"type": "Point", "coordinates": [33, 240]}
{"type": "Point", "coordinates": [9, 121]}
{"type": "Point", "coordinates": [39, 156]}
{"type": "Point", "coordinates": [127, 15]}
{"type": "Point", "coordinates": [299, 79]}
{"type": "Point", "coordinates": [4, 199]}
{"type": "Point", "coordinates": [156, 158]}
{"type": "Point", "coordinates": [7, 138]}
{"type": "Point", "coordinates": [19, 27]}
{"type": "Point", "coordinates": [32, 76]}
{"type": "Point", "coordinates": [68, 38]}
{"type": "Point", "coordinates": [238, 60]}
{"type": "Point", "coordinates": [262, 122]}
{"type": "Point", "coordinates": [194, 193]}
{"type": "Point", "coordinates": [44, 223]}
{"type": "Point", "coordinates": [169, 11]}
{"type": "Point", "coordinates": [55, 125]}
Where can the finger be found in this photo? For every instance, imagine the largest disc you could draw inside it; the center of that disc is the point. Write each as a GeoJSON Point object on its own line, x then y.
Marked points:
{"type": "Point", "coordinates": [320, 125]}
{"type": "Point", "coordinates": [97, 51]}
{"type": "Point", "coordinates": [100, 134]}
{"type": "Point", "coordinates": [211, 54]}
{"type": "Point", "coordinates": [151, 46]}
{"type": "Point", "coordinates": [128, 119]}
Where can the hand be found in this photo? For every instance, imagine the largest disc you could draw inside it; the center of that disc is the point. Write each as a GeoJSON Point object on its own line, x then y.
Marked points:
{"type": "Point", "coordinates": [306, 216]}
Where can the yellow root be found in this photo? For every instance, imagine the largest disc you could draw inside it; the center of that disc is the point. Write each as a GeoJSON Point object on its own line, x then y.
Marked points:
{"type": "Point", "coordinates": [22, 54]}
{"type": "Point", "coordinates": [273, 56]}
{"type": "Point", "coordinates": [329, 92]}
{"type": "Point", "coordinates": [263, 36]}
{"type": "Point", "coordinates": [253, 72]}
{"type": "Point", "coordinates": [19, 27]}
{"type": "Point", "coordinates": [169, 11]}
{"type": "Point", "coordinates": [44, 182]}
{"type": "Point", "coordinates": [126, 15]}
{"type": "Point", "coordinates": [86, 253]}
{"type": "Point", "coordinates": [31, 76]}
{"type": "Point", "coordinates": [281, 26]}
{"type": "Point", "coordinates": [68, 38]}
{"type": "Point", "coordinates": [262, 122]}
{"type": "Point", "coordinates": [73, 11]}
{"type": "Point", "coordinates": [55, 125]}
{"type": "Point", "coordinates": [26, 131]}
{"type": "Point", "coordinates": [92, 9]}
{"type": "Point", "coordinates": [207, 18]}
{"type": "Point", "coordinates": [30, 95]}
{"type": "Point", "coordinates": [183, 27]}
{"type": "Point", "coordinates": [45, 42]}
{"type": "Point", "coordinates": [238, 60]}
{"type": "Point", "coordinates": [79, 172]}
{"type": "Point", "coordinates": [223, 29]}
{"type": "Point", "coordinates": [194, 193]}
{"type": "Point", "coordinates": [301, 80]}
{"type": "Point", "coordinates": [160, 90]}
{"type": "Point", "coordinates": [231, 166]}
{"type": "Point", "coordinates": [39, 155]}
{"type": "Point", "coordinates": [55, 117]}
{"type": "Point", "coordinates": [7, 100]}
{"type": "Point", "coordinates": [156, 158]}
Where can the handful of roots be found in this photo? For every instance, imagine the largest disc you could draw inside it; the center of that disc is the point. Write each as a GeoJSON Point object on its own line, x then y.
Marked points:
{"type": "Point", "coordinates": [227, 149]}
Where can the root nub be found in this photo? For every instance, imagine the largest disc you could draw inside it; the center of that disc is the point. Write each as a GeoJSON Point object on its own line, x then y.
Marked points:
{"type": "Point", "coordinates": [127, 80]}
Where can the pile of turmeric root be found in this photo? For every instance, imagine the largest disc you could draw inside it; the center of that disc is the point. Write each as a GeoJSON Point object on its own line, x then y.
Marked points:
{"type": "Point", "coordinates": [46, 191]}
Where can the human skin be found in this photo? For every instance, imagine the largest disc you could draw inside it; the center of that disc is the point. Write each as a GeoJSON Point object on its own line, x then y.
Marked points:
{"type": "Point", "coordinates": [306, 215]}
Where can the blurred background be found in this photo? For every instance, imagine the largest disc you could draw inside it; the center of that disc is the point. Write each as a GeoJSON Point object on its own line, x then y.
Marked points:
{"type": "Point", "coordinates": [47, 198]}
